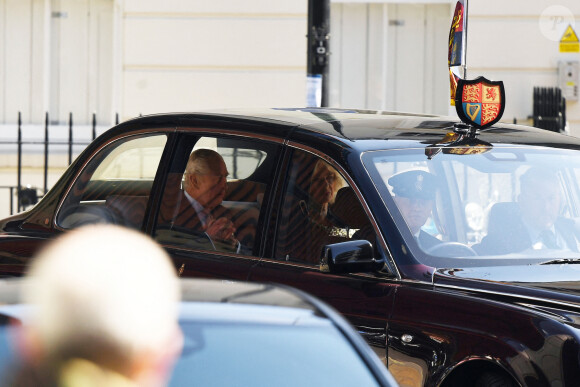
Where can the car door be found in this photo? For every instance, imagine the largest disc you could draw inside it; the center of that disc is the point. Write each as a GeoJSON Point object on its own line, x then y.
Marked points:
{"type": "Point", "coordinates": [251, 164]}
{"type": "Point", "coordinates": [297, 242]}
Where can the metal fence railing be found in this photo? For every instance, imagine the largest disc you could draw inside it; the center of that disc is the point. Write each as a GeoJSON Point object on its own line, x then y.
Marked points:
{"type": "Point", "coordinates": [30, 195]}
{"type": "Point", "coordinates": [549, 109]}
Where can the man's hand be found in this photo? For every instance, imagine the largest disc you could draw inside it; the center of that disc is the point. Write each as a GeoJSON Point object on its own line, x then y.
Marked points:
{"type": "Point", "coordinates": [222, 229]}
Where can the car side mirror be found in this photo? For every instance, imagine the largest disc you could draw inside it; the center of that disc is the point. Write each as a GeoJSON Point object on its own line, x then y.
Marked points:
{"type": "Point", "coordinates": [349, 257]}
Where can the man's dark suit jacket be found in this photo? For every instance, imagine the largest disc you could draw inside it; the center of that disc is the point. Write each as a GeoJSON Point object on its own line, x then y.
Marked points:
{"type": "Point", "coordinates": [507, 233]}
{"type": "Point", "coordinates": [180, 214]}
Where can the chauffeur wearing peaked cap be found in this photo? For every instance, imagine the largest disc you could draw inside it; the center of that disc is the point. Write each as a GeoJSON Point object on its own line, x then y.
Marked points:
{"type": "Point", "coordinates": [414, 184]}
{"type": "Point", "coordinates": [414, 192]}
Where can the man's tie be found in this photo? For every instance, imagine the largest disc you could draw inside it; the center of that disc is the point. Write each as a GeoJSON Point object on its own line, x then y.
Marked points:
{"type": "Point", "coordinates": [207, 219]}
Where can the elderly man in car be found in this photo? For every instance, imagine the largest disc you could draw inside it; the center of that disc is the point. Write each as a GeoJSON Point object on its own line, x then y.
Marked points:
{"type": "Point", "coordinates": [534, 222]}
{"type": "Point", "coordinates": [199, 206]}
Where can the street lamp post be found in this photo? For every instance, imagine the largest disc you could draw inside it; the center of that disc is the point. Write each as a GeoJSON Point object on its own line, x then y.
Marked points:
{"type": "Point", "coordinates": [317, 52]}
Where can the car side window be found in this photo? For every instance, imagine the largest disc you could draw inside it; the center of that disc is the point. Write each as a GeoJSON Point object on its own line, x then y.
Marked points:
{"type": "Point", "coordinates": [214, 194]}
{"type": "Point", "coordinates": [319, 208]}
{"type": "Point", "coordinates": [115, 185]}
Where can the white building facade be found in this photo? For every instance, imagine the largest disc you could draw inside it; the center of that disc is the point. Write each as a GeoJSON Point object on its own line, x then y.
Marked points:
{"type": "Point", "coordinates": [147, 56]}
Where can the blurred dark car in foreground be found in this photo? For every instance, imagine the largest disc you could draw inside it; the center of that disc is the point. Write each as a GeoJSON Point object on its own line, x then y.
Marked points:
{"type": "Point", "coordinates": [240, 334]}
{"type": "Point", "coordinates": [475, 303]}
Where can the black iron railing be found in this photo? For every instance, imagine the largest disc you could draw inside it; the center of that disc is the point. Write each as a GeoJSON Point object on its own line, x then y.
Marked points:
{"type": "Point", "coordinates": [30, 195]}
{"type": "Point", "coordinates": [549, 109]}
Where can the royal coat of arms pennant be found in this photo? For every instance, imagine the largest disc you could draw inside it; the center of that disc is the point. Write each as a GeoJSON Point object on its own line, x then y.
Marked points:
{"type": "Point", "coordinates": [479, 102]}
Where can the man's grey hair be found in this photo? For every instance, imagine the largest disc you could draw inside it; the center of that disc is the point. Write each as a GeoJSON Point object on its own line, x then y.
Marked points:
{"type": "Point", "coordinates": [102, 293]}
{"type": "Point", "coordinates": [200, 161]}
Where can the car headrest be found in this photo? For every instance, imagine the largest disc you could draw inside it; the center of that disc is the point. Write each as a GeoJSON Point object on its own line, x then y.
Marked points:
{"type": "Point", "coordinates": [130, 208]}
{"type": "Point", "coordinates": [347, 208]}
{"type": "Point", "coordinates": [244, 191]}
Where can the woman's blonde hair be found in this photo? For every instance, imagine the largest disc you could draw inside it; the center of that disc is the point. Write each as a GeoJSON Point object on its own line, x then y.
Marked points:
{"type": "Point", "coordinates": [339, 182]}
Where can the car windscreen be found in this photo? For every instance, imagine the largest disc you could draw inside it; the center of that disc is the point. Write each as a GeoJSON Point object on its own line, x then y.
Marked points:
{"type": "Point", "coordinates": [484, 205]}
{"type": "Point", "coordinates": [256, 354]}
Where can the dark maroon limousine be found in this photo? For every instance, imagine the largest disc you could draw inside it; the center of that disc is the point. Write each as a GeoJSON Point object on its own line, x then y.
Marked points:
{"type": "Point", "coordinates": [455, 252]}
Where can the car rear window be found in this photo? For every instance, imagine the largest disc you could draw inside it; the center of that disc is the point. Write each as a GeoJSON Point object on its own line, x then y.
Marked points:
{"type": "Point", "coordinates": [114, 187]}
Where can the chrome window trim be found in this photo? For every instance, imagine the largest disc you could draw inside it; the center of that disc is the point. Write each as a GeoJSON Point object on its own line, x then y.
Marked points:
{"type": "Point", "coordinates": [229, 132]}
{"type": "Point", "coordinates": [164, 130]}
{"type": "Point", "coordinates": [315, 268]}
{"type": "Point", "coordinates": [188, 249]}
{"type": "Point", "coordinates": [215, 133]}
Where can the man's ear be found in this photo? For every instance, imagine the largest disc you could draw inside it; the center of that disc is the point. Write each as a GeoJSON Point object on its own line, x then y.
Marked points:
{"type": "Point", "coordinates": [193, 180]}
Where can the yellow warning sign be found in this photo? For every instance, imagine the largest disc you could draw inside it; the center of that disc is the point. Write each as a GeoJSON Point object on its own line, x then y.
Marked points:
{"type": "Point", "coordinates": [569, 41]}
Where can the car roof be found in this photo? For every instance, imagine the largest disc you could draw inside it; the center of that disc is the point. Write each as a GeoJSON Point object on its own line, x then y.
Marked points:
{"type": "Point", "coordinates": [362, 129]}
{"type": "Point", "coordinates": [292, 116]}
